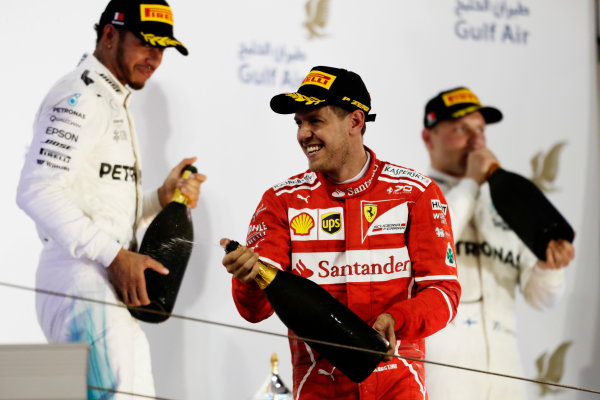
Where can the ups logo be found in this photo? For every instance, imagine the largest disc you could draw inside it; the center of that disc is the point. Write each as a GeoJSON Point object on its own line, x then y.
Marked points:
{"type": "Point", "coordinates": [331, 222]}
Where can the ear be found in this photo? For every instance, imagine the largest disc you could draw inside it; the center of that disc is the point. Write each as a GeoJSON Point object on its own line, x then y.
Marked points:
{"type": "Point", "coordinates": [110, 35]}
{"type": "Point", "coordinates": [426, 136]}
{"type": "Point", "coordinates": [357, 121]}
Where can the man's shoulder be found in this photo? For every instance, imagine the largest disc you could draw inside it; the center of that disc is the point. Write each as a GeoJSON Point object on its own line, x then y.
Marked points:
{"type": "Point", "coordinates": [396, 173]}
{"type": "Point", "coordinates": [76, 84]}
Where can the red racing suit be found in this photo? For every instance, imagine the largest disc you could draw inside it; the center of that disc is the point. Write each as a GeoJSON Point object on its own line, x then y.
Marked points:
{"type": "Point", "coordinates": [380, 244]}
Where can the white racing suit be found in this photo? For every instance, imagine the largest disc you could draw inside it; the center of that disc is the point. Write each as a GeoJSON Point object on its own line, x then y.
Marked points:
{"type": "Point", "coordinates": [492, 262]}
{"type": "Point", "coordinates": [81, 185]}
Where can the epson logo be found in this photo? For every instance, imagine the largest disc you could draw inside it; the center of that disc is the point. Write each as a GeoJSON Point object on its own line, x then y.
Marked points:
{"type": "Point", "coordinates": [62, 134]}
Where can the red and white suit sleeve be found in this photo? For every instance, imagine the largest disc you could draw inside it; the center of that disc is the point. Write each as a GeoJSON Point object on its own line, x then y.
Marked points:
{"type": "Point", "coordinates": [436, 287]}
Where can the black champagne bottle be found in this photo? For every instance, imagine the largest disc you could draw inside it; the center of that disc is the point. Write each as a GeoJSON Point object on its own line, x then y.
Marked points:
{"type": "Point", "coordinates": [169, 239]}
{"type": "Point", "coordinates": [312, 313]}
{"type": "Point", "coordinates": [527, 211]}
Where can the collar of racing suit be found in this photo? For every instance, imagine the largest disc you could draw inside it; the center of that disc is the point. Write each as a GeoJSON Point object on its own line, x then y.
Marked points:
{"type": "Point", "coordinates": [98, 73]}
{"type": "Point", "coordinates": [357, 187]}
{"type": "Point", "coordinates": [442, 178]}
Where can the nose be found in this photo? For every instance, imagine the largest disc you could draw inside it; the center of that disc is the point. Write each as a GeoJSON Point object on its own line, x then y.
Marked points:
{"type": "Point", "coordinates": [304, 132]}
{"type": "Point", "coordinates": [155, 56]}
{"type": "Point", "coordinates": [476, 139]}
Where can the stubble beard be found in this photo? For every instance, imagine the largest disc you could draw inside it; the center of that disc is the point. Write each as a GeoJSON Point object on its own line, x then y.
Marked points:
{"type": "Point", "coordinates": [125, 71]}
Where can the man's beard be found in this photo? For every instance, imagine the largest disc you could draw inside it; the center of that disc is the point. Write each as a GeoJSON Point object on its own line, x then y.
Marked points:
{"type": "Point", "coordinates": [125, 71]}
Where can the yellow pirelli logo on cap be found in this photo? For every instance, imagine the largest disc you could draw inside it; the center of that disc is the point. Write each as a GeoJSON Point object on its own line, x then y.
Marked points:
{"type": "Point", "coordinates": [156, 13]}
{"type": "Point", "coordinates": [319, 78]}
{"type": "Point", "coordinates": [460, 96]}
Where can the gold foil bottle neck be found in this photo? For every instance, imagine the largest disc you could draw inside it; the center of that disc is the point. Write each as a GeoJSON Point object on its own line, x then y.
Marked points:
{"type": "Point", "coordinates": [274, 364]}
{"type": "Point", "coordinates": [266, 274]}
{"type": "Point", "coordinates": [179, 197]}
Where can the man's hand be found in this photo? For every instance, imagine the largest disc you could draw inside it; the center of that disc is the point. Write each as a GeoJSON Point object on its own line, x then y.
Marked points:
{"type": "Point", "coordinates": [384, 324]}
{"type": "Point", "coordinates": [189, 187]}
{"type": "Point", "coordinates": [479, 162]}
{"type": "Point", "coordinates": [559, 254]}
{"type": "Point", "coordinates": [126, 274]}
{"type": "Point", "coordinates": [241, 263]}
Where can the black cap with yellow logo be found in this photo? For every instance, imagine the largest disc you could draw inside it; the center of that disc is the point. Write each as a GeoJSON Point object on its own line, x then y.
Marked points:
{"type": "Point", "coordinates": [326, 86]}
{"type": "Point", "coordinates": [456, 103]}
{"type": "Point", "coordinates": [151, 21]}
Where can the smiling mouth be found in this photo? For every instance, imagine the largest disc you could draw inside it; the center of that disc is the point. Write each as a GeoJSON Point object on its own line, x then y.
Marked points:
{"type": "Point", "coordinates": [313, 148]}
{"type": "Point", "coordinates": [146, 70]}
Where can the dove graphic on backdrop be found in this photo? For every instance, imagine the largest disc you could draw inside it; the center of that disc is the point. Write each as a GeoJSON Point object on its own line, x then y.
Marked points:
{"type": "Point", "coordinates": [545, 168]}
{"type": "Point", "coordinates": [317, 14]}
{"type": "Point", "coordinates": [552, 369]}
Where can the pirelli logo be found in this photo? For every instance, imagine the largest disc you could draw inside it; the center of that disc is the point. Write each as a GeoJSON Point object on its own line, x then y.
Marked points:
{"type": "Point", "coordinates": [319, 78]}
{"type": "Point", "coordinates": [460, 96]}
{"type": "Point", "coordinates": [156, 13]}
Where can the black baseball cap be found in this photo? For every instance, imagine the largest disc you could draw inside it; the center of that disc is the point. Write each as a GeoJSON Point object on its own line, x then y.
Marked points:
{"type": "Point", "coordinates": [326, 86]}
{"type": "Point", "coordinates": [456, 103]}
{"type": "Point", "coordinates": [150, 20]}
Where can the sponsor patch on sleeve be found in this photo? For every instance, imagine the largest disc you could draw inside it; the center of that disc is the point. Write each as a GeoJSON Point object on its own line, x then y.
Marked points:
{"type": "Point", "coordinates": [450, 259]}
{"type": "Point", "coordinates": [437, 205]}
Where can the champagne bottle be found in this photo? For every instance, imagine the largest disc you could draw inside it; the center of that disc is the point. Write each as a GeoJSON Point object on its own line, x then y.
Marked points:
{"type": "Point", "coordinates": [527, 211]}
{"type": "Point", "coordinates": [169, 240]}
{"type": "Point", "coordinates": [273, 388]}
{"type": "Point", "coordinates": [312, 313]}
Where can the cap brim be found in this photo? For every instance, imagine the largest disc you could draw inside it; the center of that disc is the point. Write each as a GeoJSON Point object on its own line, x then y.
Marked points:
{"type": "Point", "coordinates": [490, 114]}
{"type": "Point", "coordinates": [162, 42]}
{"type": "Point", "coordinates": [182, 49]}
{"type": "Point", "coordinates": [289, 103]}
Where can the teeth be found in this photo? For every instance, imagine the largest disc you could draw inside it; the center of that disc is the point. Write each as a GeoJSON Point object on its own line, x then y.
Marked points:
{"type": "Point", "coordinates": [312, 148]}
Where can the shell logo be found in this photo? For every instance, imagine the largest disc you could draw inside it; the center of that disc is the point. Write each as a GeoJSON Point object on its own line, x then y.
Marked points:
{"type": "Point", "coordinates": [302, 224]}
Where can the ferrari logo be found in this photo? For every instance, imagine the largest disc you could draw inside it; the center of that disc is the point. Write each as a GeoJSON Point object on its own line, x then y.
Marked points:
{"type": "Point", "coordinates": [370, 212]}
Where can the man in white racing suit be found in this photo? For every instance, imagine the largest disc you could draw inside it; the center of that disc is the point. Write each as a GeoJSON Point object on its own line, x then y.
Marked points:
{"type": "Point", "coordinates": [492, 260]}
{"type": "Point", "coordinates": [81, 184]}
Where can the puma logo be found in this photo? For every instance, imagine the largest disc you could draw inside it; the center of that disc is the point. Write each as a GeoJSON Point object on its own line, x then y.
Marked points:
{"type": "Point", "coordinates": [303, 198]}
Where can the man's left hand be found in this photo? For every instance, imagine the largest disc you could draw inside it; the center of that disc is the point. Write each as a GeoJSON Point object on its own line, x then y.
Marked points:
{"type": "Point", "coordinates": [190, 187]}
{"type": "Point", "coordinates": [384, 324]}
{"type": "Point", "coordinates": [559, 254]}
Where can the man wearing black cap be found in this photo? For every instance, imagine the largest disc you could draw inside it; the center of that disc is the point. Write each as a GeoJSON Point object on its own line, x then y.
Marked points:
{"type": "Point", "coordinates": [81, 184]}
{"type": "Point", "coordinates": [363, 229]}
{"type": "Point", "coordinates": [492, 260]}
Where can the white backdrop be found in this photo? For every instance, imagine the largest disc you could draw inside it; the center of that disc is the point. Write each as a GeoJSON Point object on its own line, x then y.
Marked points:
{"type": "Point", "coordinates": [533, 59]}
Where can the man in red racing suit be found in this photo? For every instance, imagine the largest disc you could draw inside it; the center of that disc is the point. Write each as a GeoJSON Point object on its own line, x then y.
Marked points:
{"type": "Point", "coordinates": [380, 242]}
